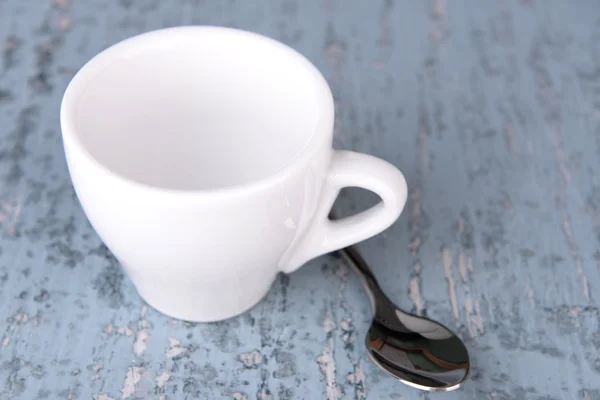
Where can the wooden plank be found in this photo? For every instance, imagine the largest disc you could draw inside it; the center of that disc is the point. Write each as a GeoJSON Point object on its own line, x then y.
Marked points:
{"type": "Point", "coordinates": [492, 111]}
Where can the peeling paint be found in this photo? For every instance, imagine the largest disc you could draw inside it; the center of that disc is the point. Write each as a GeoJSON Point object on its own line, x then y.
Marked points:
{"type": "Point", "coordinates": [326, 361]}
{"type": "Point", "coordinates": [161, 380]}
{"type": "Point", "coordinates": [473, 316]}
{"type": "Point", "coordinates": [416, 220]}
{"type": "Point", "coordinates": [358, 380]}
{"type": "Point", "coordinates": [20, 318]}
{"type": "Point", "coordinates": [175, 349]}
{"type": "Point", "coordinates": [144, 324]}
{"type": "Point", "coordinates": [101, 396]}
{"type": "Point", "coordinates": [133, 377]}
{"type": "Point", "coordinates": [96, 367]}
{"type": "Point", "coordinates": [329, 324]}
{"type": "Point", "coordinates": [140, 345]}
{"type": "Point", "coordinates": [566, 226]}
{"type": "Point", "coordinates": [252, 359]}
{"type": "Point", "coordinates": [346, 324]}
{"type": "Point", "coordinates": [125, 330]}
{"type": "Point", "coordinates": [108, 328]}
{"type": "Point", "coordinates": [64, 22]}
{"type": "Point", "coordinates": [465, 266]}
{"type": "Point", "coordinates": [414, 293]}
{"type": "Point", "coordinates": [10, 212]}
{"type": "Point", "coordinates": [447, 264]}
{"type": "Point", "coordinates": [264, 394]}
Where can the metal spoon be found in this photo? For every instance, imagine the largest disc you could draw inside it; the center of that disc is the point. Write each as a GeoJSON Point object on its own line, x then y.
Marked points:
{"type": "Point", "coordinates": [418, 351]}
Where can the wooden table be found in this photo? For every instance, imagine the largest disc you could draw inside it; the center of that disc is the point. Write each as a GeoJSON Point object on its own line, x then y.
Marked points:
{"type": "Point", "coordinates": [491, 110]}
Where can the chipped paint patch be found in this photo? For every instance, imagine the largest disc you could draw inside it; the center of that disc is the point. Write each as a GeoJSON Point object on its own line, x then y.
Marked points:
{"type": "Point", "coordinates": [329, 324]}
{"type": "Point", "coordinates": [175, 349]}
{"type": "Point", "coordinates": [447, 264]}
{"type": "Point", "coordinates": [264, 394]}
{"type": "Point", "coordinates": [347, 330]}
{"type": "Point", "coordinates": [140, 345]}
{"type": "Point", "coordinates": [566, 227]}
{"type": "Point", "coordinates": [414, 293]}
{"type": "Point", "coordinates": [5, 341]}
{"type": "Point", "coordinates": [10, 213]}
{"type": "Point", "coordinates": [20, 318]}
{"type": "Point", "coordinates": [358, 379]}
{"type": "Point", "coordinates": [108, 328]}
{"type": "Point", "coordinates": [473, 315]}
{"type": "Point", "coordinates": [252, 359]}
{"type": "Point", "coordinates": [415, 227]}
{"type": "Point", "coordinates": [97, 367]}
{"type": "Point", "coordinates": [102, 396]}
{"type": "Point", "coordinates": [326, 360]}
{"type": "Point", "coordinates": [64, 22]}
{"type": "Point", "coordinates": [175, 352]}
{"type": "Point", "coordinates": [161, 380]}
{"type": "Point", "coordinates": [465, 266]}
{"type": "Point", "coordinates": [144, 324]}
{"type": "Point", "coordinates": [346, 324]}
{"type": "Point", "coordinates": [125, 330]}
{"type": "Point", "coordinates": [133, 377]}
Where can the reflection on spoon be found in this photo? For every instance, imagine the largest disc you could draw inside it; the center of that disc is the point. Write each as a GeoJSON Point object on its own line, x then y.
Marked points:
{"type": "Point", "coordinates": [418, 351]}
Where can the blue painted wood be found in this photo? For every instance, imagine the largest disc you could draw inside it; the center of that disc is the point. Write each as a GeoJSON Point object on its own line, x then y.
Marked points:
{"type": "Point", "coordinates": [491, 109]}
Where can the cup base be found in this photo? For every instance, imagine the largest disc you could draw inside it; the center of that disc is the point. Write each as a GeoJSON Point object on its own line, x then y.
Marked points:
{"type": "Point", "coordinates": [194, 300]}
{"type": "Point", "coordinates": [176, 314]}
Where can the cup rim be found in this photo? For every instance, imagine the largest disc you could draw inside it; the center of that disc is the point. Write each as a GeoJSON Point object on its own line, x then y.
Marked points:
{"type": "Point", "coordinates": [77, 86]}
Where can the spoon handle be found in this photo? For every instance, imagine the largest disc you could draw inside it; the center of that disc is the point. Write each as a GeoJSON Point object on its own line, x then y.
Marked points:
{"type": "Point", "coordinates": [358, 263]}
{"type": "Point", "coordinates": [355, 260]}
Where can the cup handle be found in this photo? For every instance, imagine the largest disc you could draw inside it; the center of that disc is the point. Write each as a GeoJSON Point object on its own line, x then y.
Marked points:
{"type": "Point", "coordinates": [350, 169]}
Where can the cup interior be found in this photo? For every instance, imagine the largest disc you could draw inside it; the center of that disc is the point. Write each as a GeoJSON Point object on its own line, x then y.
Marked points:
{"type": "Point", "coordinates": [197, 108]}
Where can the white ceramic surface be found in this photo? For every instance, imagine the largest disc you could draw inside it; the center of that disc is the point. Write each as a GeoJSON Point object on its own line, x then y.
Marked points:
{"type": "Point", "coordinates": [203, 158]}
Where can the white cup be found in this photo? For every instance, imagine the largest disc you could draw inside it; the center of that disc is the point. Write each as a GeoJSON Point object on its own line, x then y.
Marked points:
{"type": "Point", "coordinates": [202, 157]}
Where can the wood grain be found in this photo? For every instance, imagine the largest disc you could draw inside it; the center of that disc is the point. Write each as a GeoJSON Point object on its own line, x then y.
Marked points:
{"type": "Point", "coordinates": [491, 110]}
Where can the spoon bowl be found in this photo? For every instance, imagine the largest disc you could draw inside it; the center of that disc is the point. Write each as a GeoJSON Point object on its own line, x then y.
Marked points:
{"type": "Point", "coordinates": [415, 350]}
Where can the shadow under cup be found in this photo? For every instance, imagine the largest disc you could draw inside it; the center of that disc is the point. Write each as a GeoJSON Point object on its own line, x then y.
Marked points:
{"type": "Point", "coordinates": [188, 149]}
